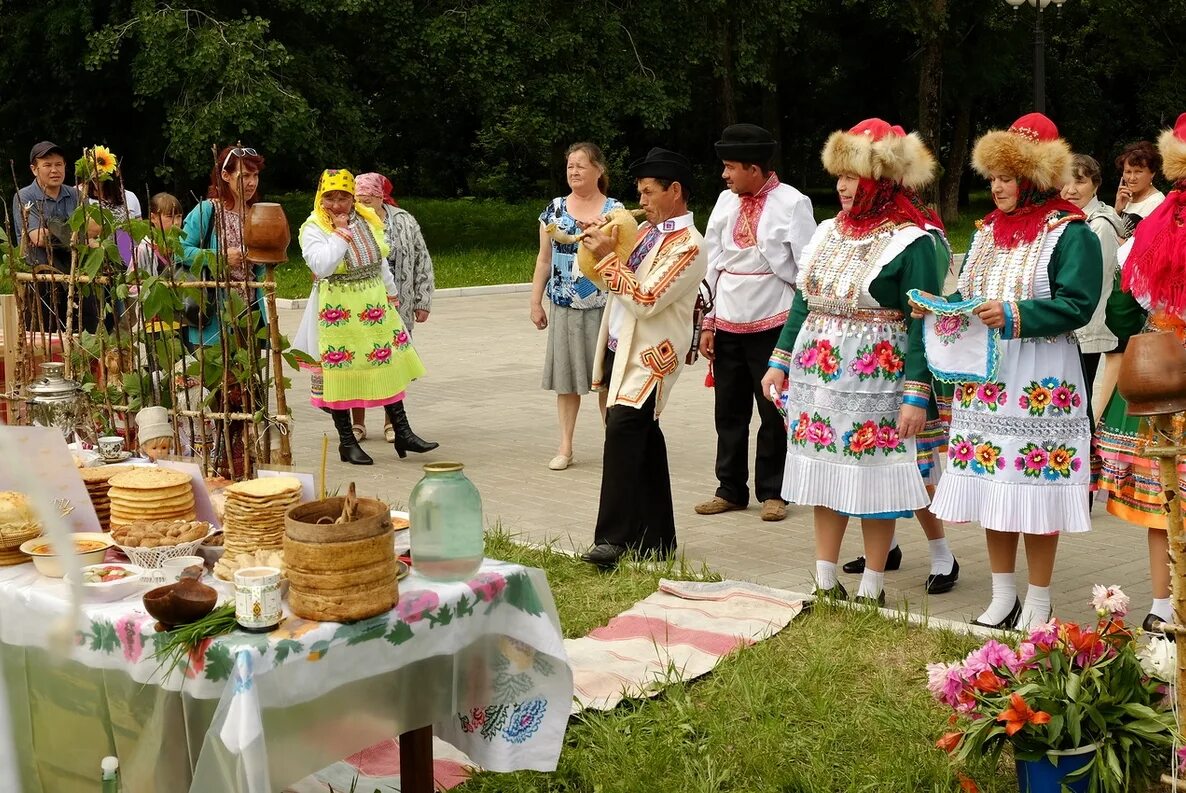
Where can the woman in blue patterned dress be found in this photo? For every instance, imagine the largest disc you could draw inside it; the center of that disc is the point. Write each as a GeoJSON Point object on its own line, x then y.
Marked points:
{"type": "Point", "coordinates": [573, 319]}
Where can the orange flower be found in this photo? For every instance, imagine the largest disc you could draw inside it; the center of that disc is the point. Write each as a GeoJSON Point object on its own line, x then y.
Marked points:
{"type": "Point", "coordinates": [949, 742]}
{"type": "Point", "coordinates": [967, 785]}
{"type": "Point", "coordinates": [1019, 714]}
{"type": "Point", "coordinates": [988, 682]}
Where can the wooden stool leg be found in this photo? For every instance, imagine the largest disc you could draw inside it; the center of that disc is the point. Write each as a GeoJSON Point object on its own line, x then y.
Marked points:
{"type": "Point", "coordinates": [415, 761]}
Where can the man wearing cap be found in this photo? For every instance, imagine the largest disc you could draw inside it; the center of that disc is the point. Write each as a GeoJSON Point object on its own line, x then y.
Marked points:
{"type": "Point", "coordinates": [645, 332]}
{"type": "Point", "coordinates": [41, 218]}
{"type": "Point", "coordinates": [755, 240]}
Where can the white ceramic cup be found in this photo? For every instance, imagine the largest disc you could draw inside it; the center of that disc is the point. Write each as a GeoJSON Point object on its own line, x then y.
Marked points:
{"type": "Point", "coordinates": [111, 447]}
{"type": "Point", "coordinates": [257, 598]}
{"type": "Point", "coordinates": [174, 567]}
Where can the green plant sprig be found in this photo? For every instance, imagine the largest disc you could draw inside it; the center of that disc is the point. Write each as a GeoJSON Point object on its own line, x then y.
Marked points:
{"type": "Point", "coordinates": [174, 652]}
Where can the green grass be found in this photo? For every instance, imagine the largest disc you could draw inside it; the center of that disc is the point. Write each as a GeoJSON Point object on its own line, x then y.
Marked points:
{"type": "Point", "coordinates": [477, 242]}
{"type": "Point", "coordinates": [835, 702]}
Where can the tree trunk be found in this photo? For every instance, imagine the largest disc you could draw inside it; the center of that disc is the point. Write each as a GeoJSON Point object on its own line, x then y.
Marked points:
{"type": "Point", "coordinates": [957, 157]}
{"type": "Point", "coordinates": [728, 91]}
{"type": "Point", "coordinates": [930, 85]}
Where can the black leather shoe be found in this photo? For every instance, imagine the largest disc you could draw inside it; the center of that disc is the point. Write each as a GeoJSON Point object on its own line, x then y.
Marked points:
{"type": "Point", "coordinates": [1149, 626]}
{"type": "Point", "coordinates": [1007, 624]}
{"type": "Point", "coordinates": [892, 562]}
{"type": "Point", "coordinates": [937, 584]}
{"type": "Point", "coordinates": [865, 600]}
{"type": "Point", "coordinates": [837, 592]}
{"type": "Point", "coordinates": [604, 555]}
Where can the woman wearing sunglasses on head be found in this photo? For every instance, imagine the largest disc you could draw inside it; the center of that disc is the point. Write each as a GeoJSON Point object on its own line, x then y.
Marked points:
{"type": "Point", "coordinates": [214, 228]}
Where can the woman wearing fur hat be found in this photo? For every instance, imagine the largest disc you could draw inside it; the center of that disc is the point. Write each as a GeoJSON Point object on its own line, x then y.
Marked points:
{"type": "Point", "coordinates": [1154, 272]}
{"type": "Point", "coordinates": [859, 386]}
{"type": "Point", "coordinates": [364, 355]}
{"type": "Point", "coordinates": [1020, 445]}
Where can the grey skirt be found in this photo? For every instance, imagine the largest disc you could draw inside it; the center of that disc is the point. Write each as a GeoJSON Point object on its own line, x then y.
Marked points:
{"type": "Point", "coordinates": [572, 341]}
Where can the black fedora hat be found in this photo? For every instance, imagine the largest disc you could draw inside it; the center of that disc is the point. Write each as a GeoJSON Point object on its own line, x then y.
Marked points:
{"type": "Point", "coordinates": [746, 143]}
{"type": "Point", "coordinates": [663, 164]}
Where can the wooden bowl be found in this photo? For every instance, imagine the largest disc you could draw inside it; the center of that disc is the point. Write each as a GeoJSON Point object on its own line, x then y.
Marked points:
{"type": "Point", "coordinates": [181, 603]}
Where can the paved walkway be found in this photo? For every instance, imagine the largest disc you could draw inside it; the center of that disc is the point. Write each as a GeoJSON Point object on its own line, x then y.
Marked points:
{"type": "Point", "coordinates": [482, 401]}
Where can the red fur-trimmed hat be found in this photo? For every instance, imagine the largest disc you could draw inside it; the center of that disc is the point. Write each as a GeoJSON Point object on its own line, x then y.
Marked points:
{"type": "Point", "coordinates": [1172, 145]}
{"type": "Point", "coordinates": [1030, 149]}
{"type": "Point", "coordinates": [875, 149]}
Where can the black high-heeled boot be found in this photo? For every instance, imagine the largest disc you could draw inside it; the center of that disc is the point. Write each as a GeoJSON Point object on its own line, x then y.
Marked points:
{"type": "Point", "coordinates": [406, 440]}
{"type": "Point", "coordinates": [348, 448]}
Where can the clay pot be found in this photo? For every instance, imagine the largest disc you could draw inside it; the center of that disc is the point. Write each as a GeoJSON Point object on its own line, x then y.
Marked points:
{"type": "Point", "coordinates": [265, 231]}
{"type": "Point", "coordinates": [1153, 374]}
{"type": "Point", "coordinates": [181, 603]}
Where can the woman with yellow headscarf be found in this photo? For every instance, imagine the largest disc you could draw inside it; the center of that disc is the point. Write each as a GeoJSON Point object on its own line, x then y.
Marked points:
{"type": "Point", "coordinates": [363, 354]}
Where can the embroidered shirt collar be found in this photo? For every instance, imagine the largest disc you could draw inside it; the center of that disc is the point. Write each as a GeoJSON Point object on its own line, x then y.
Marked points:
{"type": "Point", "coordinates": [675, 224]}
{"type": "Point", "coordinates": [745, 228]}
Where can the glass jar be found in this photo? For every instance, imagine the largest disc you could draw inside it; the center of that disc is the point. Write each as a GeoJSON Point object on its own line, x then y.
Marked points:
{"type": "Point", "coordinates": [445, 512]}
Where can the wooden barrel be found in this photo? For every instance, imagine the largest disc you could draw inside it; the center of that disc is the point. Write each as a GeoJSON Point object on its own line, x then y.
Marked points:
{"type": "Point", "coordinates": [340, 572]}
{"type": "Point", "coordinates": [265, 232]}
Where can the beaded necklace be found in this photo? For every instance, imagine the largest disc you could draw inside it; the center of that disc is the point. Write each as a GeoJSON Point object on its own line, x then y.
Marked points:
{"type": "Point", "coordinates": [994, 272]}
{"type": "Point", "coordinates": [841, 268]}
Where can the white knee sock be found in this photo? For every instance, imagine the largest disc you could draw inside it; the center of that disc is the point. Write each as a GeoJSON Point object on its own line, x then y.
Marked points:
{"type": "Point", "coordinates": [942, 558]}
{"type": "Point", "coordinates": [1004, 596]}
{"type": "Point", "coordinates": [1162, 608]}
{"type": "Point", "coordinates": [825, 574]}
{"type": "Point", "coordinates": [871, 584]}
{"type": "Point", "coordinates": [1036, 609]}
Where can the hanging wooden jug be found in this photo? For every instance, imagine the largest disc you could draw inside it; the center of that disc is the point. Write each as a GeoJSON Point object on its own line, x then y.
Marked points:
{"type": "Point", "coordinates": [265, 231]}
{"type": "Point", "coordinates": [1153, 374]}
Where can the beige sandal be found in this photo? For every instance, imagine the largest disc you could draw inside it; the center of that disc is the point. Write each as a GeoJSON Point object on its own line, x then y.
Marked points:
{"type": "Point", "coordinates": [560, 462]}
{"type": "Point", "coordinates": [389, 433]}
{"type": "Point", "coordinates": [360, 432]}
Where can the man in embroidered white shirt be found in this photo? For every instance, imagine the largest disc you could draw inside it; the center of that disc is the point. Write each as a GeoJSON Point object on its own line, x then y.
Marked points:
{"type": "Point", "coordinates": [755, 238]}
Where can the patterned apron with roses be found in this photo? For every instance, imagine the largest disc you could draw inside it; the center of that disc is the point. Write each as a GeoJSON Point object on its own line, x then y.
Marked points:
{"type": "Point", "coordinates": [365, 354]}
{"type": "Point", "coordinates": [846, 383]}
{"type": "Point", "coordinates": [1019, 451]}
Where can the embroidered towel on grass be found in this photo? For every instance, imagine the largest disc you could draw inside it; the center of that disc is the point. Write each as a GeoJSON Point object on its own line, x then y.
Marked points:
{"type": "Point", "coordinates": [960, 348]}
{"type": "Point", "coordinates": [679, 633]}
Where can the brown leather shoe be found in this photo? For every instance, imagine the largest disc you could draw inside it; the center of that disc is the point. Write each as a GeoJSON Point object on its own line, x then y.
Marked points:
{"type": "Point", "coordinates": [774, 509]}
{"type": "Point", "coordinates": [716, 505]}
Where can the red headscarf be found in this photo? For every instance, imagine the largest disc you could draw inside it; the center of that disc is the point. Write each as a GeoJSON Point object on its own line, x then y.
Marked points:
{"type": "Point", "coordinates": [1023, 225]}
{"type": "Point", "coordinates": [1156, 265]}
{"type": "Point", "coordinates": [881, 200]}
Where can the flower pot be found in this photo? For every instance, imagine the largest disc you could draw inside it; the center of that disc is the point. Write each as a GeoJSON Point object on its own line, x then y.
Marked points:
{"type": "Point", "coordinates": [266, 233]}
{"type": "Point", "coordinates": [1153, 374]}
{"type": "Point", "coordinates": [1043, 776]}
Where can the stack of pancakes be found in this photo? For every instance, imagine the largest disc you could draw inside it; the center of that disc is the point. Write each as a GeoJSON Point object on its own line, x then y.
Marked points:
{"type": "Point", "coordinates": [151, 494]}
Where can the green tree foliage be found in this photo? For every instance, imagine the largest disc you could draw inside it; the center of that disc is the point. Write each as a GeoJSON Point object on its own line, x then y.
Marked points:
{"type": "Point", "coordinates": [482, 96]}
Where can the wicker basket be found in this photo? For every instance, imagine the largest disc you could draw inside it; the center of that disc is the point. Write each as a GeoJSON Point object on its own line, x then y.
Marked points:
{"type": "Point", "coordinates": [153, 558]}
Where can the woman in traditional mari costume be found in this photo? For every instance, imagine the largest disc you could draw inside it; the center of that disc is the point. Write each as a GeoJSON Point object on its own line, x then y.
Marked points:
{"type": "Point", "coordinates": [364, 356]}
{"type": "Point", "coordinates": [1154, 272]}
{"type": "Point", "coordinates": [859, 386]}
{"type": "Point", "coordinates": [1019, 450]}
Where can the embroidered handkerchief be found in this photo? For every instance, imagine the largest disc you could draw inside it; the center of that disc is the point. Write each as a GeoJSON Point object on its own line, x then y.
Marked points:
{"type": "Point", "coordinates": [960, 348]}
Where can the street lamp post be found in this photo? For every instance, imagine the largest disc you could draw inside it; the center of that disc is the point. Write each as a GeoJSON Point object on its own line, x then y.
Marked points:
{"type": "Point", "coordinates": [1039, 48]}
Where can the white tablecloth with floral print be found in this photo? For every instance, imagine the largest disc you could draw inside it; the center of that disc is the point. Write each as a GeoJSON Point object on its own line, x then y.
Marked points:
{"type": "Point", "coordinates": [483, 662]}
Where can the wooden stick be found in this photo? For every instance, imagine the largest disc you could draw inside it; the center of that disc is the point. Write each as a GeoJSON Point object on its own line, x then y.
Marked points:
{"type": "Point", "coordinates": [277, 361]}
{"type": "Point", "coordinates": [324, 457]}
{"type": "Point", "coordinates": [1176, 784]}
{"type": "Point", "coordinates": [1167, 461]}
{"type": "Point", "coordinates": [103, 279]}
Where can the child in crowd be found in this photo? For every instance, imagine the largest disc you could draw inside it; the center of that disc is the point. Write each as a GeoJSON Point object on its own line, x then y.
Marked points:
{"type": "Point", "coordinates": [154, 256]}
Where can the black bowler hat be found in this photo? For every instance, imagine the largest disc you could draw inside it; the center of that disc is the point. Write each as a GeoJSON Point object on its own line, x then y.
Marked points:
{"type": "Point", "coordinates": [746, 143]}
{"type": "Point", "coordinates": [44, 149]}
{"type": "Point", "coordinates": [663, 164]}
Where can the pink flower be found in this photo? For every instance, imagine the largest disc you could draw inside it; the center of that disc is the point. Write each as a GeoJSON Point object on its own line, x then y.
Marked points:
{"type": "Point", "coordinates": [963, 451]}
{"type": "Point", "coordinates": [379, 354]}
{"type": "Point", "coordinates": [1026, 652]}
{"type": "Point", "coordinates": [1036, 460]}
{"type": "Point", "coordinates": [826, 435]}
{"type": "Point", "coordinates": [815, 432]}
{"type": "Point", "coordinates": [487, 585]}
{"type": "Point", "coordinates": [866, 364]}
{"type": "Point", "coordinates": [1076, 401]}
{"type": "Point", "coordinates": [989, 392]}
{"type": "Point", "coordinates": [992, 656]}
{"type": "Point", "coordinates": [808, 358]}
{"type": "Point", "coordinates": [1061, 397]}
{"type": "Point", "coordinates": [402, 338]}
{"type": "Point", "coordinates": [948, 325]}
{"type": "Point", "coordinates": [374, 313]}
{"type": "Point", "coordinates": [946, 682]}
{"type": "Point", "coordinates": [887, 437]}
{"type": "Point", "coordinates": [414, 606]}
{"type": "Point", "coordinates": [1182, 760]}
{"type": "Point", "coordinates": [128, 630]}
{"type": "Point", "coordinates": [1045, 635]}
{"type": "Point", "coordinates": [1109, 601]}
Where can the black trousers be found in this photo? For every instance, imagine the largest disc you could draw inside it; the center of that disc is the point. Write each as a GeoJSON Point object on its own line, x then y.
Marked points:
{"type": "Point", "coordinates": [635, 509]}
{"type": "Point", "coordinates": [740, 361]}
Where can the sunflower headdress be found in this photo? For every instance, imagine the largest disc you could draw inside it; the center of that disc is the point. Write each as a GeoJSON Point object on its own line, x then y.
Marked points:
{"type": "Point", "coordinates": [97, 163]}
